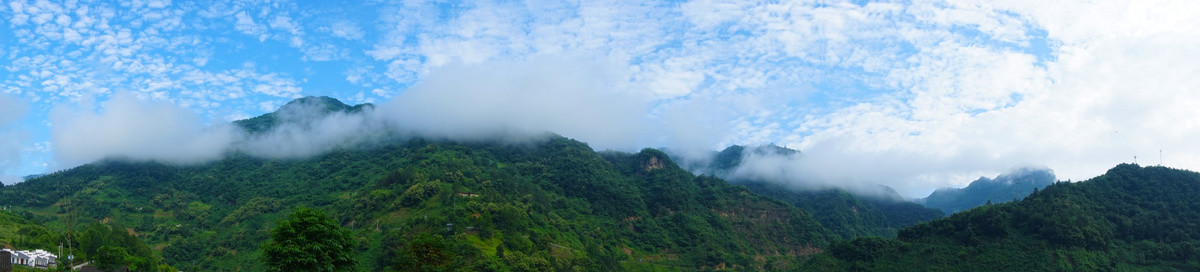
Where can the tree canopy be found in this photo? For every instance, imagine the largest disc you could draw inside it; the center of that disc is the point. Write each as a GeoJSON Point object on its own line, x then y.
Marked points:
{"type": "Point", "coordinates": [308, 240]}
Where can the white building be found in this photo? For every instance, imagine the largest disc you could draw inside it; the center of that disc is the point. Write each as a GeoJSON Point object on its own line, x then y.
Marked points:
{"type": "Point", "coordinates": [41, 258]}
{"type": "Point", "coordinates": [18, 257]}
{"type": "Point", "coordinates": [36, 258]}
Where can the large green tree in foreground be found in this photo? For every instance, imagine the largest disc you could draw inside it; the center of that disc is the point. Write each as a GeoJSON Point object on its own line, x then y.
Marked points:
{"type": "Point", "coordinates": [308, 240]}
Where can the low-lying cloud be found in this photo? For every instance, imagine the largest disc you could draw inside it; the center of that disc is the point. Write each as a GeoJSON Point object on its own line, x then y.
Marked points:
{"type": "Point", "coordinates": [577, 99]}
{"type": "Point", "coordinates": [305, 130]}
{"type": "Point", "coordinates": [11, 139]}
{"type": "Point", "coordinates": [864, 173]}
{"type": "Point", "coordinates": [126, 127]}
{"type": "Point", "coordinates": [513, 101]}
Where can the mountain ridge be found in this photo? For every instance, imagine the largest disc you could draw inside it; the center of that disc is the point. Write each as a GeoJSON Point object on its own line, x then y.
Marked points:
{"type": "Point", "coordinates": [1013, 185]}
{"type": "Point", "coordinates": [548, 205]}
{"type": "Point", "coordinates": [1131, 218]}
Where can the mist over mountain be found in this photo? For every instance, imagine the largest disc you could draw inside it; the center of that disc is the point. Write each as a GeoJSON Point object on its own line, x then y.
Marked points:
{"type": "Point", "coordinates": [547, 204]}
{"type": "Point", "coordinates": [1014, 185]}
{"type": "Point", "coordinates": [781, 166]}
{"type": "Point", "coordinates": [849, 210]}
{"type": "Point", "coordinates": [474, 102]}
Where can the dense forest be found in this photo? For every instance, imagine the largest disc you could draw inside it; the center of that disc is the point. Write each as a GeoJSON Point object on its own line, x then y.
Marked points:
{"type": "Point", "coordinates": [550, 204]}
{"type": "Point", "coordinates": [19, 232]}
{"type": "Point", "coordinates": [848, 215]}
{"type": "Point", "coordinates": [1132, 218]}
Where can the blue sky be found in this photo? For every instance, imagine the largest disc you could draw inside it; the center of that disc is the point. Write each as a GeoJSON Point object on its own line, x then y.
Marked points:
{"type": "Point", "coordinates": [913, 94]}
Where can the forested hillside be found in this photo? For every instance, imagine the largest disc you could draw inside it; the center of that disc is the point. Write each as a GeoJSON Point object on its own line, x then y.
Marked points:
{"type": "Point", "coordinates": [548, 204]}
{"type": "Point", "coordinates": [848, 215]}
{"type": "Point", "coordinates": [1130, 219]}
{"type": "Point", "coordinates": [18, 232]}
{"type": "Point", "coordinates": [845, 214]}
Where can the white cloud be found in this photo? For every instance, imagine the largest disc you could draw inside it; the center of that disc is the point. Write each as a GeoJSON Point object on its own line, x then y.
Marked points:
{"type": "Point", "coordinates": [12, 138]}
{"type": "Point", "coordinates": [124, 127]}
{"type": "Point", "coordinates": [345, 30]}
{"type": "Point", "coordinates": [304, 130]}
{"type": "Point", "coordinates": [1105, 96]}
{"type": "Point", "coordinates": [245, 24]}
{"type": "Point", "coordinates": [943, 89]}
{"type": "Point", "coordinates": [11, 109]}
{"type": "Point", "coordinates": [576, 98]}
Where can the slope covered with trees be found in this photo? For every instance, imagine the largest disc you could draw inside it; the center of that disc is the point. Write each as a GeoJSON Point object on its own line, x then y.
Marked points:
{"type": "Point", "coordinates": [20, 233]}
{"type": "Point", "coordinates": [1130, 219]}
{"type": "Point", "coordinates": [546, 204]}
{"type": "Point", "coordinates": [849, 215]}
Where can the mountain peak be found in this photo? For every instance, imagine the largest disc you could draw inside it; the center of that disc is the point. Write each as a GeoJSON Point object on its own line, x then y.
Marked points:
{"type": "Point", "coordinates": [329, 103]}
{"type": "Point", "coordinates": [303, 108]}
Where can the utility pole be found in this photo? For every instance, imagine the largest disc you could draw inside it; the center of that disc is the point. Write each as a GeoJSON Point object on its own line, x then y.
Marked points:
{"type": "Point", "coordinates": [1160, 157]}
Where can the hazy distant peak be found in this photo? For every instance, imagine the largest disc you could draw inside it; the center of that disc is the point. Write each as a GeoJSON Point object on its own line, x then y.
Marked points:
{"type": "Point", "coordinates": [330, 103]}
{"type": "Point", "coordinates": [300, 109]}
{"type": "Point", "coordinates": [1027, 174]}
{"type": "Point", "coordinates": [325, 103]}
{"type": "Point", "coordinates": [731, 157]}
{"type": "Point", "coordinates": [1014, 184]}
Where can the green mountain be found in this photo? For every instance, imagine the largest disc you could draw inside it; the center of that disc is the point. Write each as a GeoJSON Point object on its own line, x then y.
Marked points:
{"type": "Point", "coordinates": [549, 204]}
{"type": "Point", "coordinates": [846, 214]}
{"type": "Point", "coordinates": [849, 215]}
{"type": "Point", "coordinates": [1131, 218]}
{"type": "Point", "coordinates": [1006, 187]}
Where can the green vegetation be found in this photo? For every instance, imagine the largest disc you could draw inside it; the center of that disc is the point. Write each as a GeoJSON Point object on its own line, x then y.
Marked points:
{"type": "Point", "coordinates": [411, 203]}
{"type": "Point", "coordinates": [20, 233]}
{"type": "Point", "coordinates": [1129, 219]}
{"type": "Point", "coordinates": [110, 247]}
{"type": "Point", "coordinates": [308, 240]}
{"type": "Point", "coordinates": [847, 215]}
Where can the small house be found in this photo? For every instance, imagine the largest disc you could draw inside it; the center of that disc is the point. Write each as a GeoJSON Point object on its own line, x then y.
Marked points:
{"type": "Point", "coordinates": [19, 257]}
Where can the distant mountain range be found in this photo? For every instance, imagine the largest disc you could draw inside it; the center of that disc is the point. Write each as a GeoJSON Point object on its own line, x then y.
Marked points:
{"type": "Point", "coordinates": [1010, 186]}
{"type": "Point", "coordinates": [1132, 218]}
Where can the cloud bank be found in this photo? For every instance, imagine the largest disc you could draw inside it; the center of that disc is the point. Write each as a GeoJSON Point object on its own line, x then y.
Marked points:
{"type": "Point", "coordinates": [513, 101]}
{"type": "Point", "coordinates": [915, 95]}
{"type": "Point", "coordinates": [575, 98]}
{"type": "Point", "coordinates": [11, 138]}
{"type": "Point", "coordinates": [126, 127]}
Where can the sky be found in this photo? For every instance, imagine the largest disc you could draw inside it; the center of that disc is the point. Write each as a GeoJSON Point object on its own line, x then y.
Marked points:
{"type": "Point", "coordinates": [916, 95]}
